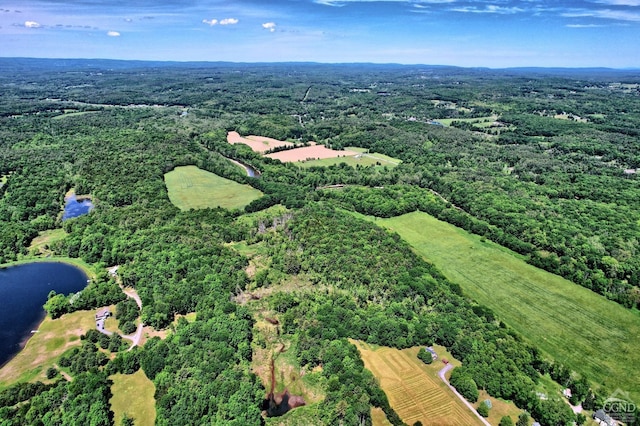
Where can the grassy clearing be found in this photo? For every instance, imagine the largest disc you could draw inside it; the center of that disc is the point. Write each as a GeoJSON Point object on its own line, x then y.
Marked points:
{"type": "Point", "coordinates": [499, 408]}
{"type": "Point", "coordinates": [364, 158]}
{"type": "Point", "coordinates": [40, 244]}
{"type": "Point", "coordinates": [288, 373]}
{"type": "Point", "coordinates": [414, 389]}
{"type": "Point", "coordinates": [44, 348]}
{"type": "Point", "coordinates": [477, 121]}
{"type": "Point", "coordinates": [133, 395]}
{"type": "Point", "coordinates": [593, 336]}
{"type": "Point", "coordinates": [72, 114]}
{"type": "Point", "coordinates": [192, 188]}
{"type": "Point", "coordinates": [378, 417]}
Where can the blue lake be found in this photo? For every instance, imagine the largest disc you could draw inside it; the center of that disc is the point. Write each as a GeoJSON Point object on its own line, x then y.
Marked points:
{"type": "Point", "coordinates": [74, 208]}
{"type": "Point", "coordinates": [23, 292]}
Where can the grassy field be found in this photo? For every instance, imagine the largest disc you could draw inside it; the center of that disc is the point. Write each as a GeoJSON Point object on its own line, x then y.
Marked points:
{"type": "Point", "coordinates": [133, 395]}
{"type": "Point", "coordinates": [53, 338]}
{"type": "Point", "coordinates": [363, 159]}
{"type": "Point", "coordinates": [40, 244]}
{"type": "Point", "coordinates": [378, 418]}
{"type": "Point", "coordinates": [591, 335]}
{"type": "Point", "coordinates": [477, 122]}
{"type": "Point", "coordinates": [71, 113]}
{"type": "Point", "coordinates": [192, 188]}
{"type": "Point", "coordinates": [414, 389]}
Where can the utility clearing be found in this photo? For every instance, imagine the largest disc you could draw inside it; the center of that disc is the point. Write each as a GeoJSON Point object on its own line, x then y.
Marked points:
{"type": "Point", "coordinates": [571, 324]}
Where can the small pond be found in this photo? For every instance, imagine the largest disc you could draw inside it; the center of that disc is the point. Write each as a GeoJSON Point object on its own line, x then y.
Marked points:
{"type": "Point", "coordinates": [75, 207]}
{"type": "Point", "coordinates": [23, 292]}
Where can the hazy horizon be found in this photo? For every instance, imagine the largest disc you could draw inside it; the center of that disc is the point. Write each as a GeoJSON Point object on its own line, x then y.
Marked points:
{"type": "Point", "coordinates": [465, 33]}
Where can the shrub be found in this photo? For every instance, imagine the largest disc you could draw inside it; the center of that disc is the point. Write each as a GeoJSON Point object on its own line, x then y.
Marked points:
{"type": "Point", "coordinates": [425, 356]}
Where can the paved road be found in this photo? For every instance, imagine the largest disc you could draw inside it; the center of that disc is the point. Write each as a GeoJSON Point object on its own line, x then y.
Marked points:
{"type": "Point", "coordinates": [441, 373]}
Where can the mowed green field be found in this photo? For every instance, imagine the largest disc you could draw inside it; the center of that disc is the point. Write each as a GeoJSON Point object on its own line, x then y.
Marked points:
{"type": "Point", "coordinates": [477, 122]}
{"type": "Point", "coordinates": [192, 188]}
{"type": "Point", "coordinates": [573, 325]}
{"type": "Point", "coordinates": [363, 159]}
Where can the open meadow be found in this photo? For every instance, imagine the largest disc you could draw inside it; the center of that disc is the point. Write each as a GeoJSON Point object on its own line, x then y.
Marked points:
{"type": "Point", "coordinates": [133, 395]}
{"type": "Point", "coordinates": [52, 339]}
{"type": "Point", "coordinates": [362, 158]}
{"type": "Point", "coordinates": [591, 335]}
{"type": "Point", "coordinates": [414, 389]}
{"type": "Point", "coordinates": [192, 188]}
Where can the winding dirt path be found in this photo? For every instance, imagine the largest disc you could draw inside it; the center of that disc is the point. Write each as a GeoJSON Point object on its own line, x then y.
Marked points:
{"type": "Point", "coordinates": [442, 373]}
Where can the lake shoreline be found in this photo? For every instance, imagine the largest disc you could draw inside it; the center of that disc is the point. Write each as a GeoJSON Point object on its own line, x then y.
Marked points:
{"type": "Point", "coordinates": [25, 291]}
{"type": "Point", "coordinates": [88, 270]}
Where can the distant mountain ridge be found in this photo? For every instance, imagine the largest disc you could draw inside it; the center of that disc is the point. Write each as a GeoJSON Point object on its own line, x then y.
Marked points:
{"type": "Point", "coordinates": [18, 63]}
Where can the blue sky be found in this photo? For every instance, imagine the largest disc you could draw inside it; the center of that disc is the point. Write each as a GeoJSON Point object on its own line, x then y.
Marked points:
{"type": "Point", "coordinates": [486, 33]}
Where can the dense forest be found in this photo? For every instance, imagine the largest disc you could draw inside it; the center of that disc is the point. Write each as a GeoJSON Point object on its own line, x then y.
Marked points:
{"type": "Point", "coordinates": [542, 163]}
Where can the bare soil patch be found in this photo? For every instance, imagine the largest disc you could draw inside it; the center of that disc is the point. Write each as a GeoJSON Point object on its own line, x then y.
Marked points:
{"type": "Point", "coordinates": [314, 152]}
{"type": "Point", "coordinates": [256, 143]}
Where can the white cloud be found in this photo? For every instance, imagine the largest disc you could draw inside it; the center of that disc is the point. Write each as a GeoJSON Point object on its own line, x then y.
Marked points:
{"type": "Point", "coordinates": [584, 26]}
{"type": "Point", "coordinates": [340, 3]}
{"type": "Point", "coordinates": [229, 21]}
{"type": "Point", "coordinates": [489, 9]}
{"type": "Point", "coordinates": [619, 2]}
{"type": "Point", "coordinates": [210, 22]}
{"type": "Point", "coordinates": [618, 15]}
{"type": "Point", "coordinates": [32, 24]}
{"type": "Point", "coordinates": [271, 26]}
{"type": "Point", "coordinates": [113, 34]}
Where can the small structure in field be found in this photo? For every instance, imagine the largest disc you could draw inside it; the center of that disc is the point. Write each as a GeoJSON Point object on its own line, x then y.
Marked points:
{"type": "Point", "coordinates": [432, 351]}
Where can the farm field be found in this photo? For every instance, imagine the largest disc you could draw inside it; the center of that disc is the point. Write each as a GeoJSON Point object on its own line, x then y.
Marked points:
{"type": "Point", "coordinates": [256, 143]}
{"type": "Point", "coordinates": [362, 158]}
{"type": "Point", "coordinates": [571, 324]}
{"type": "Point", "coordinates": [308, 153]}
{"type": "Point", "coordinates": [477, 121]}
{"type": "Point", "coordinates": [192, 188]}
{"type": "Point", "coordinates": [133, 395]}
{"type": "Point", "coordinates": [414, 389]}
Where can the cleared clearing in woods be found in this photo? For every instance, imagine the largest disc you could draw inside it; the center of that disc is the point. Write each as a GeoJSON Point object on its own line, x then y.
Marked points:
{"type": "Point", "coordinates": [192, 188]}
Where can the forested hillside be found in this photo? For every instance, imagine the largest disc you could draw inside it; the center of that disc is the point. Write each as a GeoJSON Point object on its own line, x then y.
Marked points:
{"type": "Point", "coordinates": [542, 164]}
